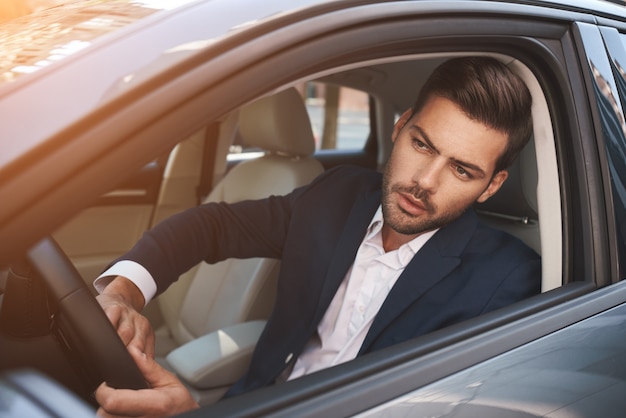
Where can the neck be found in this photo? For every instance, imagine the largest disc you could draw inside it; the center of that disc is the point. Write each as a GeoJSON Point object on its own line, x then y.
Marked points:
{"type": "Point", "coordinates": [392, 240]}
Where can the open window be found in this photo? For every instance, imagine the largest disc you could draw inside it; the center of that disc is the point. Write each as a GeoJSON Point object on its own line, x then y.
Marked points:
{"type": "Point", "coordinates": [340, 117]}
{"type": "Point", "coordinates": [529, 203]}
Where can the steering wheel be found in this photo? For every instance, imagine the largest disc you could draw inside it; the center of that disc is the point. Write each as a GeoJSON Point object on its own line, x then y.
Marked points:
{"type": "Point", "coordinates": [82, 321]}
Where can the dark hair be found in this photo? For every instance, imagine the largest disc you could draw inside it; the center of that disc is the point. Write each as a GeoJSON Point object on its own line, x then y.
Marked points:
{"type": "Point", "coordinates": [488, 92]}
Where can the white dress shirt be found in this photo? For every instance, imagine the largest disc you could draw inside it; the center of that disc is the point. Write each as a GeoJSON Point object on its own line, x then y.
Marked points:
{"type": "Point", "coordinates": [134, 272]}
{"type": "Point", "coordinates": [350, 314]}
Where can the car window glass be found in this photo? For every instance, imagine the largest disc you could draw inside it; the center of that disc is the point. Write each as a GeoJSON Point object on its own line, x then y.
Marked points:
{"type": "Point", "coordinates": [339, 119]}
{"type": "Point", "coordinates": [339, 115]}
{"type": "Point", "coordinates": [617, 156]}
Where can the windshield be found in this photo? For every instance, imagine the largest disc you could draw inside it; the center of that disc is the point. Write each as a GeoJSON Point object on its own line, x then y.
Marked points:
{"type": "Point", "coordinates": [36, 33]}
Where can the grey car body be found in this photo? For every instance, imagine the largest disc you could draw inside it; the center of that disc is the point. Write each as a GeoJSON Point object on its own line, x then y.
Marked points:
{"type": "Point", "coordinates": [78, 122]}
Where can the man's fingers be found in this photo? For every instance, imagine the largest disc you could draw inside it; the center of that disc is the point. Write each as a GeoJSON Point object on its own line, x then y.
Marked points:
{"type": "Point", "coordinates": [132, 327]}
{"type": "Point", "coordinates": [126, 402]}
{"type": "Point", "coordinates": [153, 372]}
{"type": "Point", "coordinates": [127, 333]}
{"type": "Point", "coordinates": [144, 402]}
{"type": "Point", "coordinates": [119, 402]}
{"type": "Point", "coordinates": [112, 311]}
{"type": "Point", "coordinates": [118, 315]}
{"type": "Point", "coordinates": [149, 343]}
{"type": "Point", "coordinates": [167, 396]}
{"type": "Point", "coordinates": [142, 336]}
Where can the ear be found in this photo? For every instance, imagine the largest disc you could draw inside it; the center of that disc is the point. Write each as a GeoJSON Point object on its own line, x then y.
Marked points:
{"type": "Point", "coordinates": [404, 118]}
{"type": "Point", "coordinates": [494, 186]}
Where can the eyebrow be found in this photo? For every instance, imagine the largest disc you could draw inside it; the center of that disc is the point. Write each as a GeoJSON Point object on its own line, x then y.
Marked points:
{"type": "Point", "coordinates": [479, 172]}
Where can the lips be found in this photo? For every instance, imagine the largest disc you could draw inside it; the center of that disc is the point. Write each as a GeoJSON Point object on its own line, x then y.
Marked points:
{"type": "Point", "coordinates": [409, 204]}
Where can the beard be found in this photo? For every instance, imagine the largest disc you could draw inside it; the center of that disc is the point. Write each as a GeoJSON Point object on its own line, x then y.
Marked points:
{"type": "Point", "coordinates": [406, 223]}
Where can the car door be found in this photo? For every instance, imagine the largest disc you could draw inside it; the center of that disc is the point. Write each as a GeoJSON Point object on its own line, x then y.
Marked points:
{"type": "Point", "coordinates": [615, 143]}
{"type": "Point", "coordinates": [550, 47]}
{"type": "Point", "coordinates": [113, 223]}
{"type": "Point", "coordinates": [578, 368]}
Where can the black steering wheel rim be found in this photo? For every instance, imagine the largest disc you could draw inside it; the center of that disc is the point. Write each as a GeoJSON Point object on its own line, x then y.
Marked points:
{"type": "Point", "coordinates": [89, 331]}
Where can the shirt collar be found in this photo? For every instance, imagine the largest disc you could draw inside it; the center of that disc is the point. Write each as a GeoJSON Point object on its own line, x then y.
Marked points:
{"type": "Point", "coordinates": [407, 251]}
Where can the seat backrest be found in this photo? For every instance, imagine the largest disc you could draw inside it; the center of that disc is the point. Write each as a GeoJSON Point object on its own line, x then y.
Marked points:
{"type": "Point", "coordinates": [514, 208]}
{"type": "Point", "coordinates": [212, 296]}
{"type": "Point", "coordinates": [529, 206]}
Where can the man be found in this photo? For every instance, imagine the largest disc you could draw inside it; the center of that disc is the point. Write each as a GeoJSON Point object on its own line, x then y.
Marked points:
{"type": "Point", "coordinates": [366, 262]}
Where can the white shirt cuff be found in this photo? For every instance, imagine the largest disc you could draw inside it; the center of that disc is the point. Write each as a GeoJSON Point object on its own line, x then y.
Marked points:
{"type": "Point", "coordinates": [134, 272]}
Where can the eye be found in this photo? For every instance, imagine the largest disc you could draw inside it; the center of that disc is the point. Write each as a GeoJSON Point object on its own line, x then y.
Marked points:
{"type": "Point", "coordinates": [462, 172]}
{"type": "Point", "coordinates": [419, 145]}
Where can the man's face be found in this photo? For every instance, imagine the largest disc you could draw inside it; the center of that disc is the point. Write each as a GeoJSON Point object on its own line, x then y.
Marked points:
{"type": "Point", "coordinates": [442, 162]}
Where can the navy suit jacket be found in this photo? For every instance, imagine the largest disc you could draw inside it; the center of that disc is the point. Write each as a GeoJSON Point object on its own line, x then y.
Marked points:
{"type": "Point", "coordinates": [464, 270]}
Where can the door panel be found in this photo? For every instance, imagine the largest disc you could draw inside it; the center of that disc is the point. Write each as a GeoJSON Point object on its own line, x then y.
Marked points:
{"type": "Point", "coordinates": [99, 234]}
{"type": "Point", "coordinates": [115, 222]}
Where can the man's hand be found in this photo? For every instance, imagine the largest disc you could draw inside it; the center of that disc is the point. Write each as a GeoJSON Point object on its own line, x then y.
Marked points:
{"type": "Point", "coordinates": [167, 396]}
{"type": "Point", "coordinates": [122, 301]}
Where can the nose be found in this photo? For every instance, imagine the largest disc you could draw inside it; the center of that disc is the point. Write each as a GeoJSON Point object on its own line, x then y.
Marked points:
{"type": "Point", "coordinates": [428, 177]}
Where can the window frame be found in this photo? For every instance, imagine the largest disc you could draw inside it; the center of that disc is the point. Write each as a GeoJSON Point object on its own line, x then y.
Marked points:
{"type": "Point", "coordinates": [616, 48]}
{"type": "Point", "coordinates": [551, 54]}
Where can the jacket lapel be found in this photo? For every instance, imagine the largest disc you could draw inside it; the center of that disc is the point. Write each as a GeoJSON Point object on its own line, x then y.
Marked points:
{"type": "Point", "coordinates": [353, 233]}
{"type": "Point", "coordinates": [434, 261]}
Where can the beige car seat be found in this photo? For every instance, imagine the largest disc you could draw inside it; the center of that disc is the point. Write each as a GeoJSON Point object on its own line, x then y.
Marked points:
{"type": "Point", "coordinates": [529, 203]}
{"type": "Point", "coordinates": [514, 208]}
{"type": "Point", "coordinates": [213, 298]}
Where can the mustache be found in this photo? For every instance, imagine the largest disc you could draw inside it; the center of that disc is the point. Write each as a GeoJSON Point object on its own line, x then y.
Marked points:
{"type": "Point", "coordinates": [418, 194]}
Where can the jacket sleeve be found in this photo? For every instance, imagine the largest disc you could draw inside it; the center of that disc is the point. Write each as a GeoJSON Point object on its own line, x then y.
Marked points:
{"type": "Point", "coordinates": [213, 232]}
{"type": "Point", "coordinates": [521, 283]}
{"type": "Point", "coordinates": [216, 231]}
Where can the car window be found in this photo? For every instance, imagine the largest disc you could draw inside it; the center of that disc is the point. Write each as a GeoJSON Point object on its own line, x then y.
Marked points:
{"type": "Point", "coordinates": [617, 156]}
{"type": "Point", "coordinates": [339, 115]}
{"type": "Point", "coordinates": [339, 118]}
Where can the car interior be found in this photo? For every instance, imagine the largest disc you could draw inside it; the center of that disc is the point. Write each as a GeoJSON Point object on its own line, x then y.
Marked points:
{"type": "Point", "coordinates": [207, 323]}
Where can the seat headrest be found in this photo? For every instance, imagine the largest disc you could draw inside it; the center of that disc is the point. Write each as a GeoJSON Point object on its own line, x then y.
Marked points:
{"type": "Point", "coordinates": [278, 124]}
